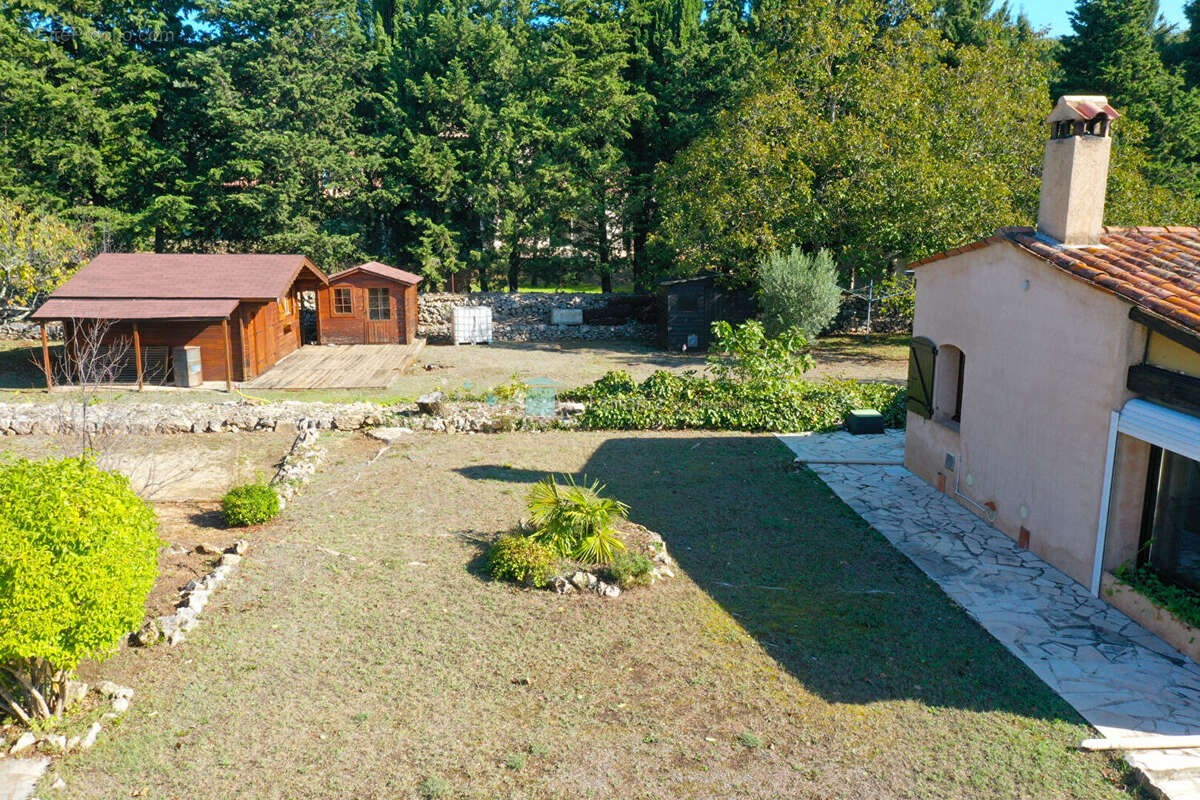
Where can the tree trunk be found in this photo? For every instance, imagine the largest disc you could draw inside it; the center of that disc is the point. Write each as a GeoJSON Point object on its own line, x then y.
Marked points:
{"type": "Point", "coordinates": [514, 267]}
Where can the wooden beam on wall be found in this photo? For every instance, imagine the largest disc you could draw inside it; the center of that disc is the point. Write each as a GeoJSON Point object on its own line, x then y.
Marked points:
{"type": "Point", "coordinates": [46, 360]}
{"type": "Point", "coordinates": [137, 354]}
{"type": "Point", "coordinates": [228, 356]}
{"type": "Point", "coordinates": [1165, 328]}
{"type": "Point", "coordinates": [1155, 383]}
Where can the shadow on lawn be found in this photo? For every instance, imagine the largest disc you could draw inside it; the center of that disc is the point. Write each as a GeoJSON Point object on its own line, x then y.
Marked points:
{"type": "Point", "coordinates": [826, 595]}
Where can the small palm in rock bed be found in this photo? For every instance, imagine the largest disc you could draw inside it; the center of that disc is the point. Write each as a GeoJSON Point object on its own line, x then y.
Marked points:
{"type": "Point", "coordinates": [576, 519]}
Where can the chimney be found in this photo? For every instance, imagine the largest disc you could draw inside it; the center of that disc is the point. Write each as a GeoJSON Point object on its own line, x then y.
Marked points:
{"type": "Point", "coordinates": [1075, 170]}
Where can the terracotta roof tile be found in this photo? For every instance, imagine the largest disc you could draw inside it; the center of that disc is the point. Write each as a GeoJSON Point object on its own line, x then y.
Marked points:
{"type": "Point", "coordinates": [1157, 268]}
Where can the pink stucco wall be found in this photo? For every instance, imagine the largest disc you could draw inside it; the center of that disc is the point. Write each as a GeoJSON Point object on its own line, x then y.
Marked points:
{"type": "Point", "coordinates": [1046, 365]}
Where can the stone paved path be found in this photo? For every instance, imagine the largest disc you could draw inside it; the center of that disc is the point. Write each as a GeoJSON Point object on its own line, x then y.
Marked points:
{"type": "Point", "coordinates": [1118, 676]}
{"type": "Point", "coordinates": [19, 776]}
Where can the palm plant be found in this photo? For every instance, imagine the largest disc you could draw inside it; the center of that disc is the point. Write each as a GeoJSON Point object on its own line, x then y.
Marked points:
{"type": "Point", "coordinates": [576, 519]}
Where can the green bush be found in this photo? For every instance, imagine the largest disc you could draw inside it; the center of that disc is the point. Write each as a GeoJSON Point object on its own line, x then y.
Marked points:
{"type": "Point", "coordinates": [746, 355]}
{"type": "Point", "coordinates": [798, 290]}
{"type": "Point", "coordinates": [631, 569]}
{"type": "Point", "coordinates": [1183, 603]}
{"type": "Point", "coordinates": [78, 556]}
{"type": "Point", "coordinates": [667, 401]}
{"type": "Point", "coordinates": [576, 520]}
{"type": "Point", "coordinates": [250, 504]}
{"type": "Point", "coordinates": [522, 559]}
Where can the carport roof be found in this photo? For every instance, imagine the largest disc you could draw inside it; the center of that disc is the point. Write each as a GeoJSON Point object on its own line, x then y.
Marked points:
{"type": "Point", "coordinates": [135, 308]}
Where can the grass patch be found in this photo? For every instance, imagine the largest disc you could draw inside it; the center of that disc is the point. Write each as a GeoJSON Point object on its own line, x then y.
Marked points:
{"type": "Point", "coordinates": [790, 619]}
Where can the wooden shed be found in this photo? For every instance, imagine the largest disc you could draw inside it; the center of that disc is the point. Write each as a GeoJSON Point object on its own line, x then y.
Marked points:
{"type": "Point", "coordinates": [241, 312]}
{"type": "Point", "coordinates": [368, 304]}
{"type": "Point", "coordinates": [688, 307]}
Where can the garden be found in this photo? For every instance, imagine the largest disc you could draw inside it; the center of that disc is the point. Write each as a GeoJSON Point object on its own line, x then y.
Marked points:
{"type": "Point", "coordinates": [397, 642]}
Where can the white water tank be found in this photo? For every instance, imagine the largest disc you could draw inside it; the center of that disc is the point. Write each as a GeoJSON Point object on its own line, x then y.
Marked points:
{"type": "Point", "coordinates": [472, 324]}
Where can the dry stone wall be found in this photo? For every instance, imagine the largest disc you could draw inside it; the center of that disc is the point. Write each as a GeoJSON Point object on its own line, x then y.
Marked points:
{"type": "Point", "coordinates": [527, 317]}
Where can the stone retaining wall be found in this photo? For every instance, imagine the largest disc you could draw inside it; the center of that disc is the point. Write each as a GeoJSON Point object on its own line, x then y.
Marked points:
{"type": "Point", "coordinates": [526, 317]}
{"type": "Point", "coordinates": [23, 419]}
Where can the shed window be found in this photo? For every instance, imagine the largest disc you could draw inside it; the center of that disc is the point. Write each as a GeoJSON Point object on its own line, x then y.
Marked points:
{"type": "Point", "coordinates": [341, 301]}
{"type": "Point", "coordinates": [379, 304]}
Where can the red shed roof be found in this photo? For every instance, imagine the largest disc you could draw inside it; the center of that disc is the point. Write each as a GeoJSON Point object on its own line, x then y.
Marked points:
{"type": "Point", "coordinates": [1157, 269]}
{"type": "Point", "coordinates": [383, 271]}
{"type": "Point", "coordinates": [179, 275]}
{"type": "Point", "coordinates": [108, 308]}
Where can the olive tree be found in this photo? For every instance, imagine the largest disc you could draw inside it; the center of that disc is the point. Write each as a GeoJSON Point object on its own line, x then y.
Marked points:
{"type": "Point", "coordinates": [798, 290]}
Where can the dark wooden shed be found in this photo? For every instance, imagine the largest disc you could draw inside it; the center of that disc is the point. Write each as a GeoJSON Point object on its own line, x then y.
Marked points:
{"type": "Point", "coordinates": [242, 312]}
{"type": "Point", "coordinates": [368, 304]}
{"type": "Point", "coordinates": [688, 307]}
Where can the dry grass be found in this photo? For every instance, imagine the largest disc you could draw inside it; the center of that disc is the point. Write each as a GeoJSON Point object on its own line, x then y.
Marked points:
{"type": "Point", "coordinates": [798, 655]}
{"type": "Point", "coordinates": [478, 368]}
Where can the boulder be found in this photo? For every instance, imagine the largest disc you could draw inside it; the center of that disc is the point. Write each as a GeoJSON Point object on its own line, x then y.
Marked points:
{"type": "Point", "coordinates": [389, 435]}
{"type": "Point", "coordinates": [114, 690]}
{"type": "Point", "coordinates": [584, 580]}
{"type": "Point", "coordinates": [89, 738]}
{"type": "Point", "coordinates": [433, 403]}
{"type": "Point", "coordinates": [75, 691]}
{"type": "Point", "coordinates": [25, 741]}
{"type": "Point", "coordinates": [146, 635]}
{"type": "Point", "coordinates": [562, 585]}
{"type": "Point", "coordinates": [206, 549]}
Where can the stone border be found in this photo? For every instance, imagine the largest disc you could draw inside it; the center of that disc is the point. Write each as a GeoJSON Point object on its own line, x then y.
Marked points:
{"type": "Point", "coordinates": [1151, 616]}
{"type": "Point", "coordinates": [300, 463]}
{"type": "Point", "coordinates": [24, 419]}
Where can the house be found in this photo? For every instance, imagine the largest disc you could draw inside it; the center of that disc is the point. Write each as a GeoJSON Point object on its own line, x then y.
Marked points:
{"type": "Point", "coordinates": [368, 304]}
{"type": "Point", "coordinates": [239, 313]}
{"type": "Point", "coordinates": [1054, 375]}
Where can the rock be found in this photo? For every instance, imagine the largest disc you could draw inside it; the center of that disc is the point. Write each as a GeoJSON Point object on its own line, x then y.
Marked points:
{"type": "Point", "coordinates": [75, 691]}
{"type": "Point", "coordinates": [197, 600]}
{"type": "Point", "coordinates": [110, 689]}
{"type": "Point", "coordinates": [348, 422]}
{"type": "Point", "coordinates": [583, 580]}
{"type": "Point", "coordinates": [230, 560]}
{"type": "Point", "coordinates": [389, 435]}
{"type": "Point", "coordinates": [175, 637]}
{"type": "Point", "coordinates": [59, 783]}
{"type": "Point", "coordinates": [433, 403]}
{"type": "Point", "coordinates": [562, 585]}
{"type": "Point", "coordinates": [25, 741]}
{"type": "Point", "coordinates": [607, 589]}
{"type": "Point", "coordinates": [146, 635]}
{"type": "Point", "coordinates": [206, 549]}
{"type": "Point", "coordinates": [89, 738]}
{"type": "Point", "coordinates": [73, 742]}
{"type": "Point", "coordinates": [120, 704]}
{"type": "Point", "coordinates": [571, 409]}
{"type": "Point", "coordinates": [175, 550]}
{"type": "Point", "coordinates": [186, 618]}
{"type": "Point", "coordinates": [57, 741]}
{"type": "Point", "coordinates": [238, 548]}
{"type": "Point", "coordinates": [663, 571]}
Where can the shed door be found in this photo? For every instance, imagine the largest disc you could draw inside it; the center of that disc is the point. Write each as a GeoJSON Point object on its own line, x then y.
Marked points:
{"type": "Point", "coordinates": [381, 316]}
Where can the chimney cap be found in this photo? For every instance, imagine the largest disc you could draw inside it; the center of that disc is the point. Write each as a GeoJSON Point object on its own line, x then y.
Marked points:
{"type": "Point", "coordinates": [1081, 107]}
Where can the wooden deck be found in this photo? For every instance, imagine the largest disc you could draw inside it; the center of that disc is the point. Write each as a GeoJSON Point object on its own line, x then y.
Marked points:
{"type": "Point", "coordinates": [354, 366]}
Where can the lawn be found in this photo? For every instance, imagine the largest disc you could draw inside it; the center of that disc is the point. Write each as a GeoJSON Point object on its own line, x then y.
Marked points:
{"type": "Point", "coordinates": [362, 653]}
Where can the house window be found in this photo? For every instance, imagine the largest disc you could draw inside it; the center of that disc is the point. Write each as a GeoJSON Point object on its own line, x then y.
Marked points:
{"type": "Point", "coordinates": [948, 394]}
{"type": "Point", "coordinates": [341, 301]}
{"type": "Point", "coordinates": [1171, 518]}
{"type": "Point", "coordinates": [379, 304]}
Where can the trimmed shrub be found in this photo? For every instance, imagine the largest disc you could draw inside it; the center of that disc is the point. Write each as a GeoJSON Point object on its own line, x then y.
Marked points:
{"type": "Point", "coordinates": [522, 559]}
{"type": "Point", "coordinates": [250, 504]}
{"type": "Point", "coordinates": [630, 569]}
{"type": "Point", "coordinates": [666, 401]}
{"type": "Point", "coordinates": [78, 557]}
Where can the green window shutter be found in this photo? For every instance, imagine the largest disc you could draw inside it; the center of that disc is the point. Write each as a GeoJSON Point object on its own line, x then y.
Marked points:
{"type": "Point", "coordinates": [921, 355]}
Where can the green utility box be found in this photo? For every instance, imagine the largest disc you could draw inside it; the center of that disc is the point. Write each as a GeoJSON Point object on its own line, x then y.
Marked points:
{"type": "Point", "coordinates": [864, 420]}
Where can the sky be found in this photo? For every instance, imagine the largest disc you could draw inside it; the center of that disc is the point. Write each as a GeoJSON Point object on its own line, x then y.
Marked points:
{"type": "Point", "coordinates": [1052, 14]}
